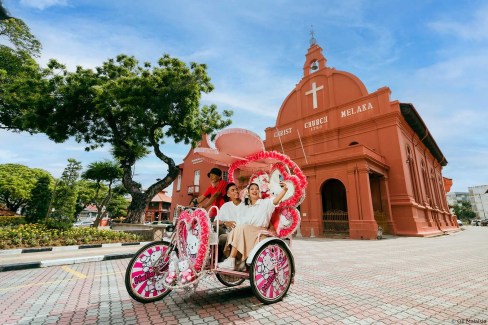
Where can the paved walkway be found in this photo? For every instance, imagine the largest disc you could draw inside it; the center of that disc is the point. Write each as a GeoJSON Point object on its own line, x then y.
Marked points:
{"type": "Point", "coordinates": [440, 280]}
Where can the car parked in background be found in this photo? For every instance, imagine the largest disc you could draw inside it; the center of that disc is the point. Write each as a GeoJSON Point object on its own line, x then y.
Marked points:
{"type": "Point", "coordinates": [484, 222]}
{"type": "Point", "coordinates": [460, 223]}
{"type": "Point", "coordinates": [83, 224]}
{"type": "Point", "coordinates": [162, 222]}
{"type": "Point", "coordinates": [475, 222]}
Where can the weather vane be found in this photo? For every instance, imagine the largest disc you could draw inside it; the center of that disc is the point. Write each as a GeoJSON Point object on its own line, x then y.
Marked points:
{"type": "Point", "coordinates": [313, 41]}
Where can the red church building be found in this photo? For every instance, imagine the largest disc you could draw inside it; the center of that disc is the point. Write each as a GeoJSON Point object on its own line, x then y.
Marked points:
{"type": "Point", "coordinates": [370, 161]}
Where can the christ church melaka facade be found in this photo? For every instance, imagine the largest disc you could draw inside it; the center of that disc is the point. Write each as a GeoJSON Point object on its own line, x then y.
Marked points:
{"type": "Point", "coordinates": [370, 162]}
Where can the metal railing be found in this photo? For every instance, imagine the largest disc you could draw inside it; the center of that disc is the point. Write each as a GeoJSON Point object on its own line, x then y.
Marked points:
{"type": "Point", "coordinates": [335, 221]}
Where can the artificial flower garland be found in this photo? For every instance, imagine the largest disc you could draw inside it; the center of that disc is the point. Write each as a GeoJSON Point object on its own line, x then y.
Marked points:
{"type": "Point", "coordinates": [298, 179]}
{"type": "Point", "coordinates": [187, 218]}
{"type": "Point", "coordinates": [275, 220]}
{"type": "Point", "coordinates": [301, 179]}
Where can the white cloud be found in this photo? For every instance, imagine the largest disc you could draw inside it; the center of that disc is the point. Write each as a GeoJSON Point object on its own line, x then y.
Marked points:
{"type": "Point", "coordinates": [472, 28]}
{"type": "Point", "coordinates": [43, 4]}
{"type": "Point", "coordinates": [458, 71]}
{"type": "Point", "coordinates": [241, 102]}
{"type": "Point", "coordinates": [7, 156]}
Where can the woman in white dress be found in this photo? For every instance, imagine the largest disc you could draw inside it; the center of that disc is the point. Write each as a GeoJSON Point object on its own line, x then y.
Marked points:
{"type": "Point", "coordinates": [254, 217]}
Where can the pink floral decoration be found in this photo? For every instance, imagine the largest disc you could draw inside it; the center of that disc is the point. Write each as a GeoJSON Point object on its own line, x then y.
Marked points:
{"type": "Point", "coordinates": [291, 212]}
{"type": "Point", "coordinates": [191, 219]}
{"type": "Point", "coordinates": [263, 155]}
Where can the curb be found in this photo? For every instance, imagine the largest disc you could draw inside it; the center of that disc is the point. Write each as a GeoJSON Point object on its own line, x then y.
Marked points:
{"type": "Point", "coordinates": [64, 261]}
{"type": "Point", "coordinates": [65, 248]}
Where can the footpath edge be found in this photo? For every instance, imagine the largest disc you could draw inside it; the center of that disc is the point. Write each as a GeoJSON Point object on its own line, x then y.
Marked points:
{"type": "Point", "coordinates": [64, 261]}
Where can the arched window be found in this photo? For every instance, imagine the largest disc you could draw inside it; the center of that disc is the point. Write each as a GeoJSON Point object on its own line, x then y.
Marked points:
{"type": "Point", "coordinates": [353, 143]}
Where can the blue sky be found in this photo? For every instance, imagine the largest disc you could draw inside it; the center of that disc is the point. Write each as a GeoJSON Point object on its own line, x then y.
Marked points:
{"type": "Point", "coordinates": [430, 53]}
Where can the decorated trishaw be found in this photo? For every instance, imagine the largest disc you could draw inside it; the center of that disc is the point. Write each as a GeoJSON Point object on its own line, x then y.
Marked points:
{"type": "Point", "coordinates": [180, 261]}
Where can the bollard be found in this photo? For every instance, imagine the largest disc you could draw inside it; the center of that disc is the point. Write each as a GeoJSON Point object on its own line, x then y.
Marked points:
{"type": "Point", "coordinates": [312, 234]}
{"type": "Point", "coordinates": [380, 233]}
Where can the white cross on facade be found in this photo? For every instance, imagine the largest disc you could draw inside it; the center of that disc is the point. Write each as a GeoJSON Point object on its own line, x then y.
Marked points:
{"type": "Point", "coordinates": [313, 91]}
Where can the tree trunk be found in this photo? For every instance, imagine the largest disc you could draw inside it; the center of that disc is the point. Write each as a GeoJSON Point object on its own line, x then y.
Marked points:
{"type": "Point", "coordinates": [140, 200]}
{"type": "Point", "coordinates": [96, 223]}
{"type": "Point", "coordinates": [137, 208]}
{"type": "Point", "coordinates": [100, 211]}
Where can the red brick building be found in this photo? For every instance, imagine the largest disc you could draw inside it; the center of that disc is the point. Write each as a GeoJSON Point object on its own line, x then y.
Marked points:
{"type": "Point", "coordinates": [192, 180]}
{"type": "Point", "coordinates": [370, 161]}
{"type": "Point", "coordinates": [159, 208]}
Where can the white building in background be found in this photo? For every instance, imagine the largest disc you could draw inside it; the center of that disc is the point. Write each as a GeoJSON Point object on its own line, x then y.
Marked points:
{"type": "Point", "coordinates": [455, 198]}
{"type": "Point", "coordinates": [89, 213]}
{"type": "Point", "coordinates": [478, 197]}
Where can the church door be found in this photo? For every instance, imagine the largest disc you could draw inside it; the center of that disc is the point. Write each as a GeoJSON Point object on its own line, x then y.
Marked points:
{"type": "Point", "coordinates": [377, 201]}
{"type": "Point", "coordinates": [334, 207]}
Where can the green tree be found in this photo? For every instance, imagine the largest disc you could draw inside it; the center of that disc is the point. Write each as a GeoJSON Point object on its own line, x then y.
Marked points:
{"type": "Point", "coordinates": [63, 205]}
{"type": "Point", "coordinates": [464, 211]}
{"type": "Point", "coordinates": [3, 12]}
{"type": "Point", "coordinates": [18, 34]}
{"type": "Point", "coordinates": [86, 191]}
{"type": "Point", "coordinates": [118, 206]}
{"type": "Point", "coordinates": [16, 184]}
{"type": "Point", "coordinates": [24, 86]}
{"type": "Point", "coordinates": [37, 208]}
{"type": "Point", "coordinates": [25, 89]}
{"type": "Point", "coordinates": [135, 109]}
{"type": "Point", "coordinates": [104, 174]}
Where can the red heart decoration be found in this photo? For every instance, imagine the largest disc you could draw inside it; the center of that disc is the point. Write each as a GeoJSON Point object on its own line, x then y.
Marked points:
{"type": "Point", "coordinates": [286, 166]}
{"type": "Point", "coordinates": [289, 217]}
{"type": "Point", "coordinates": [280, 172]}
{"type": "Point", "coordinates": [193, 229]}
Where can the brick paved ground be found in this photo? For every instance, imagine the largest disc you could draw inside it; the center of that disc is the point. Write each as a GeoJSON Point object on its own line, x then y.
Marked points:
{"type": "Point", "coordinates": [440, 280]}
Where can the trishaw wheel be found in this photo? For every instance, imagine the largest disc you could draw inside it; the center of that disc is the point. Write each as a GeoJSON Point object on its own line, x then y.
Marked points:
{"type": "Point", "coordinates": [144, 276]}
{"type": "Point", "coordinates": [229, 280]}
{"type": "Point", "coordinates": [271, 272]}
